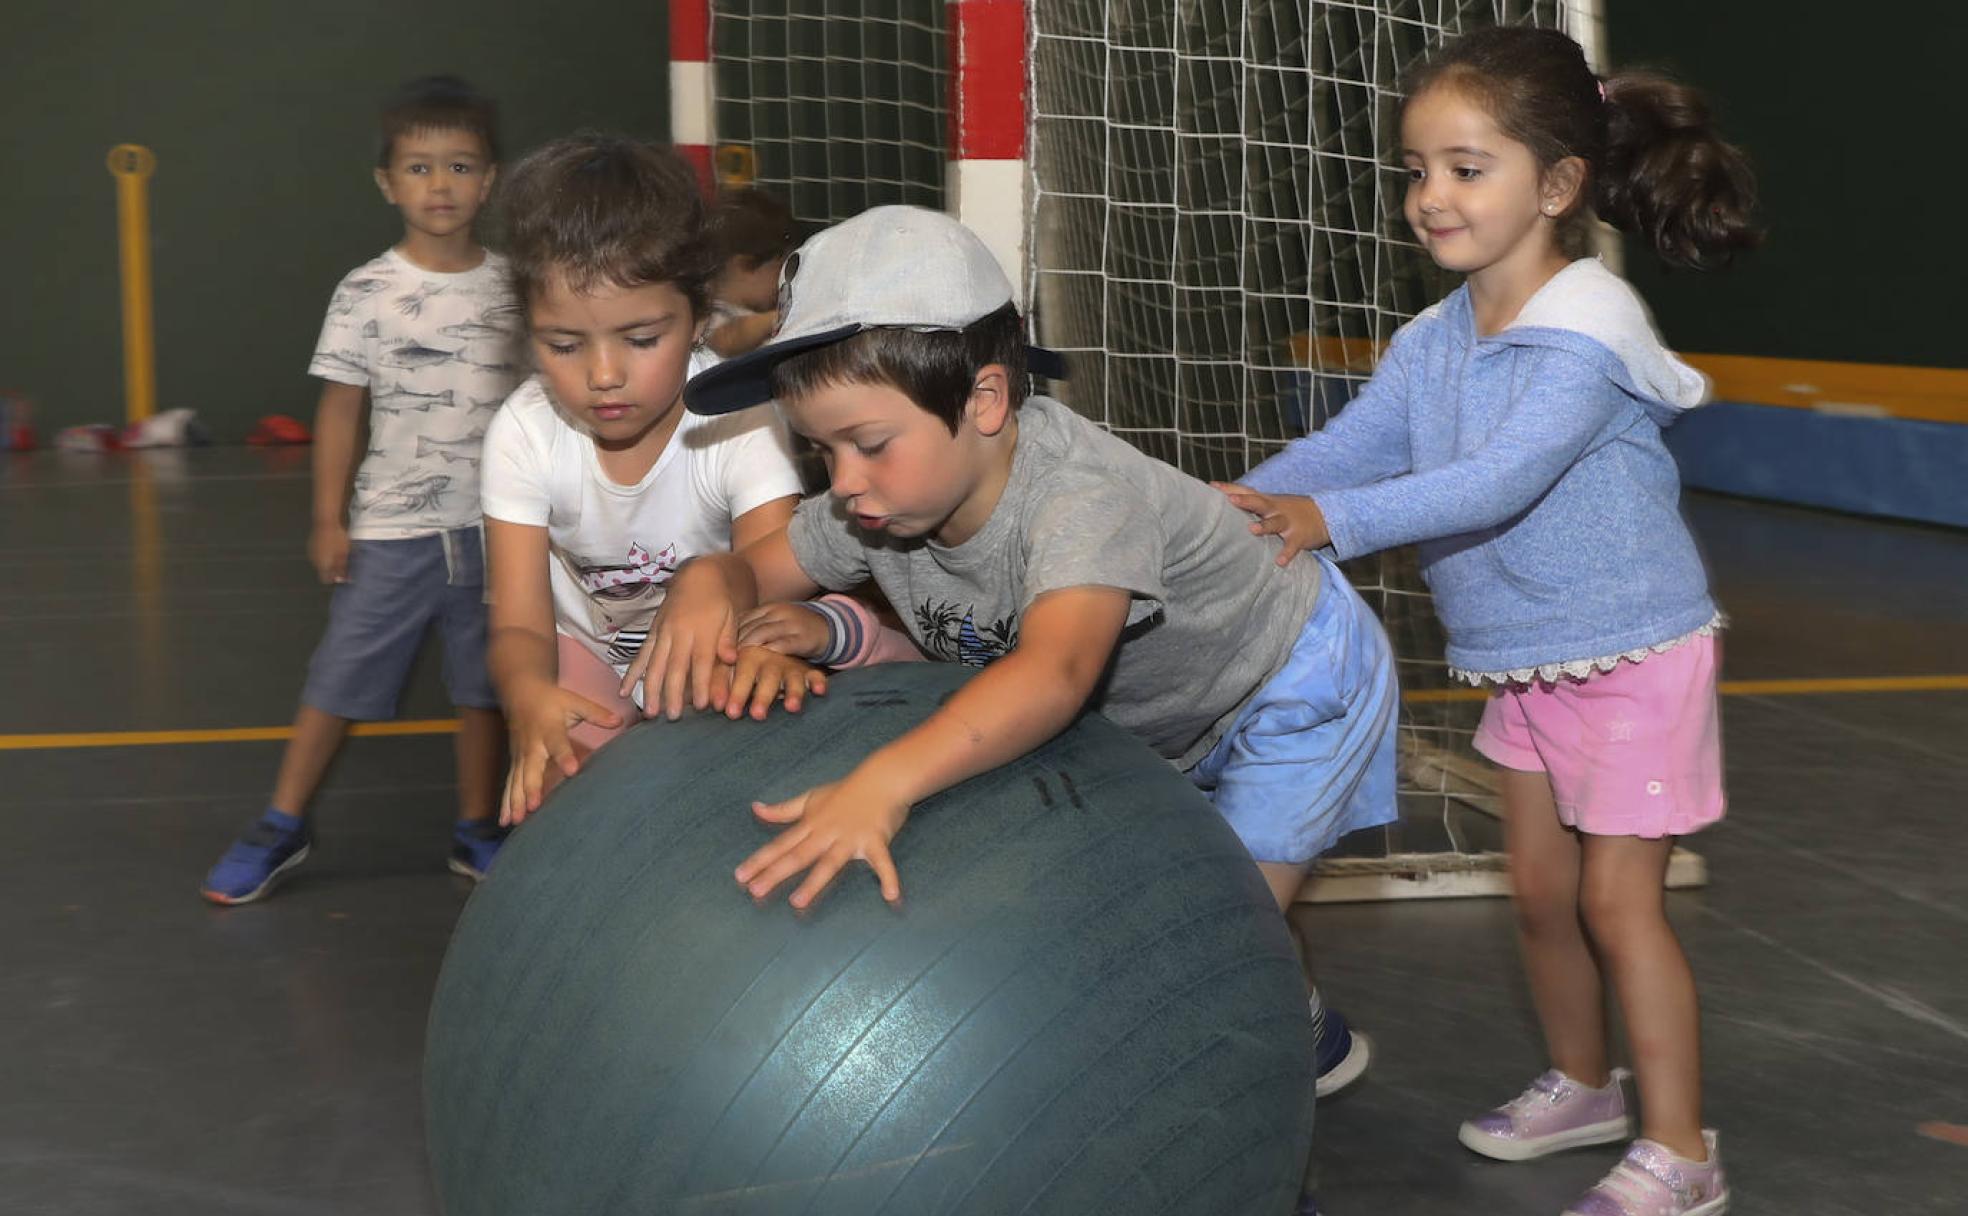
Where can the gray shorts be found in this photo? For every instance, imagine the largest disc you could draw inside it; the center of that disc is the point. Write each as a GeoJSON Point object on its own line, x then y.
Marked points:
{"type": "Point", "coordinates": [396, 590]}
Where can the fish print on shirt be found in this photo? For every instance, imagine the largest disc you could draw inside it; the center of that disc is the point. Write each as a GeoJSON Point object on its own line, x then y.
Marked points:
{"type": "Point", "coordinates": [410, 497]}
{"type": "Point", "coordinates": [352, 292]}
{"type": "Point", "coordinates": [477, 331]}
{"type": "Point", "coordinates": [404, 392]}
{"type": "Point", "coordinates": [345, 361]}
{"type": "Point", "coordinates": [429, 348]}
{"type": "Point", "coordinates": [411, 356]}
{"type": "Point", "coordinates": [411, 303]}
{"type": "Point", "coordinates": [451, 450]}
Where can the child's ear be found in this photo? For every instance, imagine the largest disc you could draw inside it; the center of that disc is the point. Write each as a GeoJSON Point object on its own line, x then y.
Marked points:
{"type": "Point", "coordinates": [1561, 185]}
{"type": "Point", "coordinates": [383, 184]}
{"type": "Point", "coordinates": [990, 405]}
{"type": "Point", "coordinates": [485, 188]}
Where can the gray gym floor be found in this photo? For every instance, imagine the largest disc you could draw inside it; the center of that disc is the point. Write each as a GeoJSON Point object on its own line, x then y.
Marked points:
{"type": "Point", "coordinates": [158, 1055]}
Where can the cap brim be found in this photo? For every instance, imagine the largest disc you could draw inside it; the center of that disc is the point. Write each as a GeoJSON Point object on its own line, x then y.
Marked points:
{"type": "Point", "coordinates": [746, 381]}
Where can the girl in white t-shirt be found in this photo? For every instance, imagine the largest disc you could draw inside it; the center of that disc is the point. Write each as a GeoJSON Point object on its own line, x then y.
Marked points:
{"type": "Point", "coordinates": [596, 484]}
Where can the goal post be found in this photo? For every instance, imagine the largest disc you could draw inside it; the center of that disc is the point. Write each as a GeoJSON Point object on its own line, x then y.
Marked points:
{"type": "Point", "coordinates": [1198, 207]}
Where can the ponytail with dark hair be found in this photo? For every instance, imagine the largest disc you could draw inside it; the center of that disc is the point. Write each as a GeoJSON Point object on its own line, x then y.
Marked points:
{"type": "Point", "coordinates": [1668, 176]}
{"type": "Point", "coordinates": [1655, 165]}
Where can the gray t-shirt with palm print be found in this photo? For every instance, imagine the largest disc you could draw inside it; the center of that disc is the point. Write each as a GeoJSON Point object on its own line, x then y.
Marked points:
{"type": "Point", "coordinates": [1213, 615]}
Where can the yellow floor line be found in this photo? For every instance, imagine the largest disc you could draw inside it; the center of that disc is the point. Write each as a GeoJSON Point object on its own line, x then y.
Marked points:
{"type": "Point", "coordinates": [237, 734]}
{"type": "Point", "coordinates": [449, 726]}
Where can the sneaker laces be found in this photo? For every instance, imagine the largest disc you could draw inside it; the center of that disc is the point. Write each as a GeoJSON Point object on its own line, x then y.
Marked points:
{"type": "Point", "coordinates": [265, 835]}
{"type": "Point", "coordinates": [1544, 1091]}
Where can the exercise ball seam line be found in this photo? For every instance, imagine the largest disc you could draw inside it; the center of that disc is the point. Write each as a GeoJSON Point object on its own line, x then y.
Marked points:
{"type": "Point", "coordinates": [1170, 862]}
{"type": "Point", "coordinates": [547, 991]}
{"type": "Point", "coordinates": [689, 1165]}
{"type": "Point", "coordinates": [1220, 1166]}
{"type": "Point", "coordinates": [1160, 1079]}
{"type": "Point", "coordinates": [1062, 863]}
{"type": "Point", "coordinates": [1114, 1045]}
{"type": "Point", "coordinates": [767, 1056]}
{"type": "Point", "coordinates": [547, 957]}
{"type": "Point", "coordinates": [903, 1085]}
{"type": "Point", "coordinates": [1026, 1042]}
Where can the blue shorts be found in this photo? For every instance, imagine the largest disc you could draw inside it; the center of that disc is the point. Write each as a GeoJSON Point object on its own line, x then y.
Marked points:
{"type": "Point", "coordinates": [1311, 756]}
{"type": "Point", "coordinates": [396, 590]}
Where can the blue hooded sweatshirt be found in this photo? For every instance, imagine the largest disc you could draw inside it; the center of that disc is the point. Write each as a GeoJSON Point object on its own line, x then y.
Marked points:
{"type": "Point", "coordinates": [1529, 467]}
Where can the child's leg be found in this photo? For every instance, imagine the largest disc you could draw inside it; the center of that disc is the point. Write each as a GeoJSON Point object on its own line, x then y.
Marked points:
{"type": "Point", "coordinates": [583, 673]}
{"type": "Point", "coordinates": [1284, 879]}
{"type": "Point", "coordinates": [481, 762]}
{"type": "Point", "coordinates": [1621, 897]}
{"type": "Point", "coordinates": [464, 625]}
{"type": "Point", "coordinates": [1565, 983]}
{"type": "Point", "coordinates": [318, 735]}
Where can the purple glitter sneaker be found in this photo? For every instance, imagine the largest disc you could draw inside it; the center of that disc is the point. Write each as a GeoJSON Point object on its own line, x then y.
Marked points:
{"type": "Point", "coordinates": [1555, 1113]}
{"type": "Point", "coordinates": [1654, 1182]}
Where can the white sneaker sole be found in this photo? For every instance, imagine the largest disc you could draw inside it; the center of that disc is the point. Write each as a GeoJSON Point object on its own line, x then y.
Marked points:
{"type": "Point", "coordinates": [1501, 1148]}
{"type": "Point", "coordinates": [1347, 1070]}
{"type": "Point", "coordinates": [1714, 1207]}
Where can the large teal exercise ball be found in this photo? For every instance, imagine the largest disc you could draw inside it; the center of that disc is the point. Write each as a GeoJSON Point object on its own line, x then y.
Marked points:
{"type": "Point", "coordinates": [1085, 1003]}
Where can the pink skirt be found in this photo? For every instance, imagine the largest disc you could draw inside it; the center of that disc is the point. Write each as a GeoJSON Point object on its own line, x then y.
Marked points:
{"type": "Point", "coordinates": [1635, 751]}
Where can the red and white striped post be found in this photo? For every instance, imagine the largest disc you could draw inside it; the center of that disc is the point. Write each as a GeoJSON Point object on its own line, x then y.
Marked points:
{"type": "Point", "coordinates": [985, 180]}
{"type": "Point", "coordinates": [690, 85]}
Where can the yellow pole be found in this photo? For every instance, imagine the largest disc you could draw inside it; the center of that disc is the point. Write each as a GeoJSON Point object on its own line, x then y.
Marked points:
{"type": "Point", "coordinates": [132, 165]}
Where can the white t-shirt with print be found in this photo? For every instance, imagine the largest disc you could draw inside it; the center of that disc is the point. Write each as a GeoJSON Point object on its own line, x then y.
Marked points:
{"type": "Point", "coordinates": [438, 354]}
{"type": "Point", "coordinates": [615, 547]}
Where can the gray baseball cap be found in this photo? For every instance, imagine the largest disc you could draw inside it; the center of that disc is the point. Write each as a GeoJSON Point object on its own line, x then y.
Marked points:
{"type": "Point", "coordinates": [887, 268]}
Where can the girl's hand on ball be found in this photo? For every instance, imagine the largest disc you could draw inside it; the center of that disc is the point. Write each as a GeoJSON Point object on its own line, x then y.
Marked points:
{"type": "Point", "coordinates": [539, 724]}
{"type": "Point", "coordinates": [764, 676]}
{"type": "Point", "coordinates": [832, 825]}
{"type": "Point", "coordinates": [692, 638]}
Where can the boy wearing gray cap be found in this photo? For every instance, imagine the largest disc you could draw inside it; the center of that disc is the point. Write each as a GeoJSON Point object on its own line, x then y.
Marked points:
{"type": "Point", "coordinates": [1015, 536]}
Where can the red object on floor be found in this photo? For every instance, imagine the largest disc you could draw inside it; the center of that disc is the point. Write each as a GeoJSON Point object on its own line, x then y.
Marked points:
{"type": "Point", "coordinates": [278, 429]}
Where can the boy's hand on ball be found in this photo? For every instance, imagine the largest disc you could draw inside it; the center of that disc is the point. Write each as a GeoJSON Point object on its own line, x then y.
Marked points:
{"type": "Point", "coordinates": [763, 676]}
{"type": "Point", "coordinates": [1291, 518]}
{"type": "Point", "coordinates": [787, 628]}
{"type": "Point", "coordinates": [832, 825]}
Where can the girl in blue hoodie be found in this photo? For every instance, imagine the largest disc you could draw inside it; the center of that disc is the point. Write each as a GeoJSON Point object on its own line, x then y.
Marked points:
{"type": "Point", "coordinates": [1513, 431]}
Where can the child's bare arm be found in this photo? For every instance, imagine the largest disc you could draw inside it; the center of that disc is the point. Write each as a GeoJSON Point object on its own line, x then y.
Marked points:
{"type": "Point", "coordinates": [337, 439]}
{"type": "Point", "coordinates": [523, 657]}
{"type": "Point", "coordinates": [1065, 641]}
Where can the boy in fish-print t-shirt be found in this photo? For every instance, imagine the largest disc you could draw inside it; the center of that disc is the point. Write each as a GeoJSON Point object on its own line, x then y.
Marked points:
{"type": "Point", "coordinates": [423, 341]}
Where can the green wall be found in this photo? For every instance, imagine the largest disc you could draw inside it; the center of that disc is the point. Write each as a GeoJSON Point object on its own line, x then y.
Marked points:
{"type": "Point", "coordinates": [1851, 114]}
{"type": "Point", "coordinates": [262, 117]}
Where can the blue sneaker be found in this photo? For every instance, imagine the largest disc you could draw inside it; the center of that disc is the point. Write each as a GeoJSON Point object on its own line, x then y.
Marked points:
{"type": "Point", "coordinates": [474, 844]}
{"type": "Point", "coordinates": [1342, 1054]}
{"type": "Point", "coordinates": [275, 844]}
